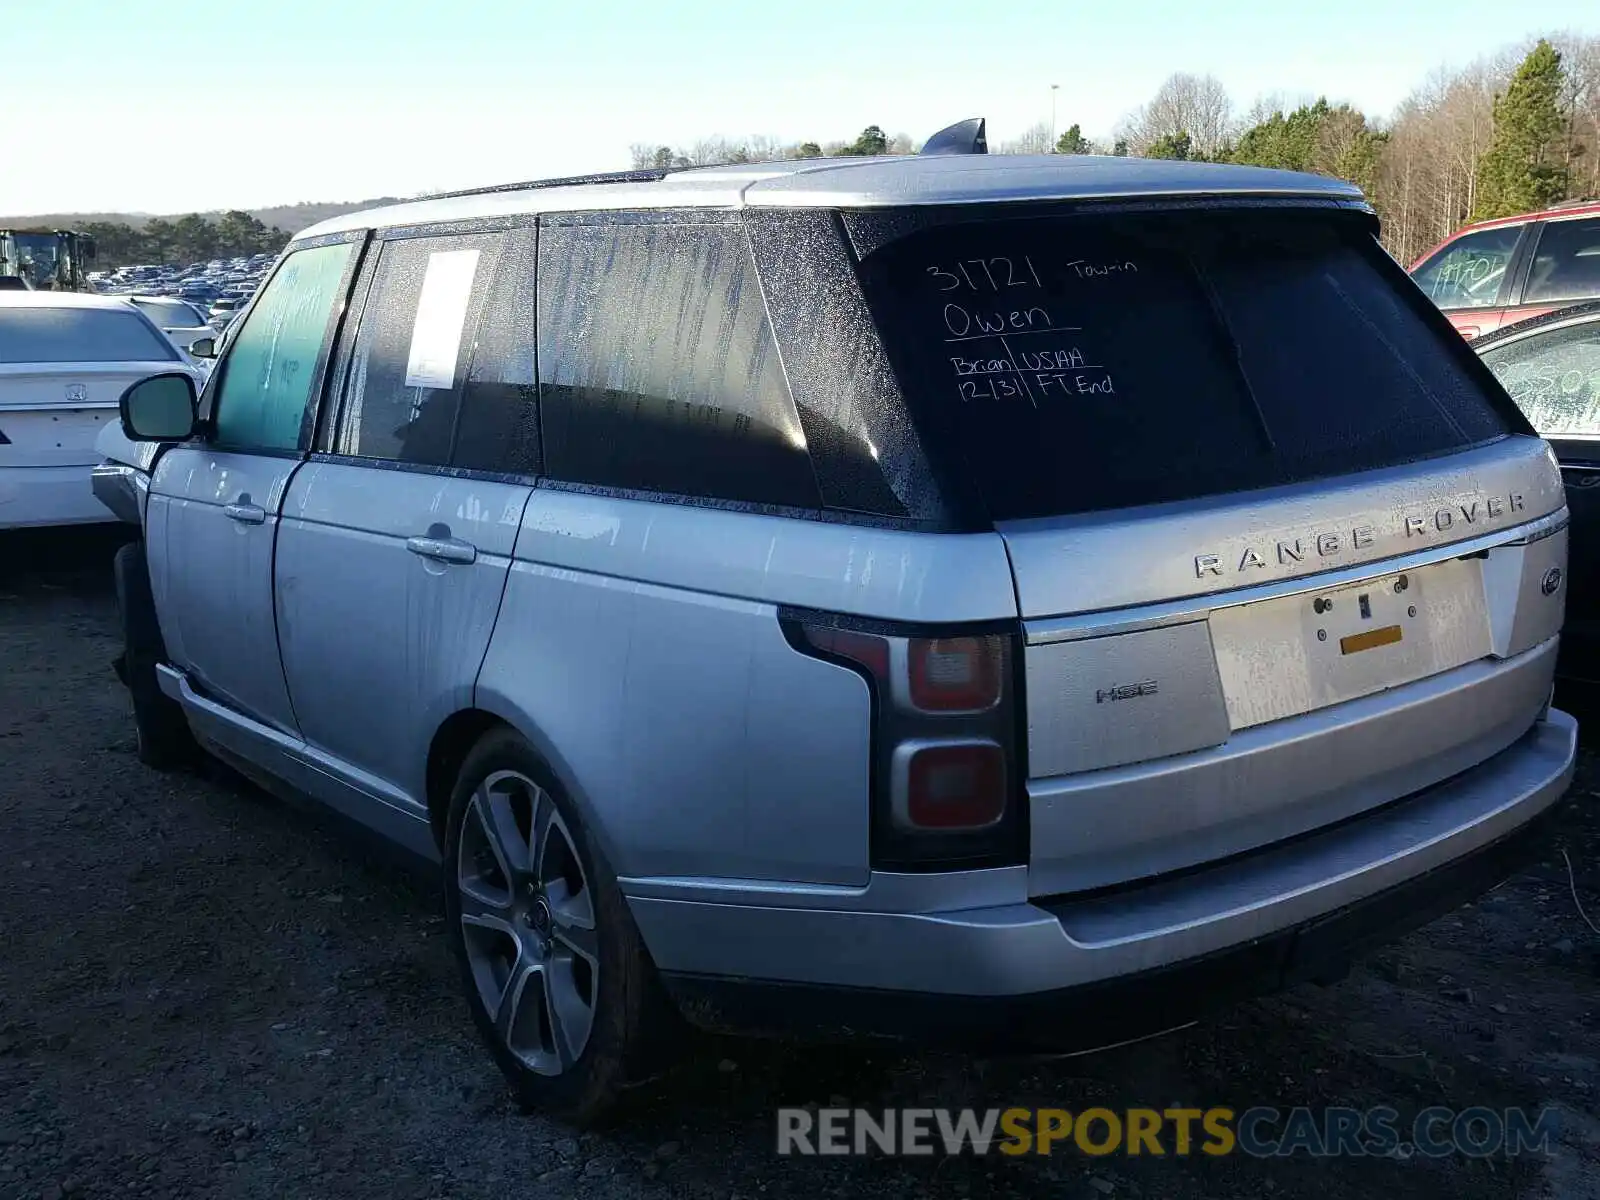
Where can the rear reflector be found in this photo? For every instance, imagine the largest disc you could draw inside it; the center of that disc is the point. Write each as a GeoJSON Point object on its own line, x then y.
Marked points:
{"type": "Point", "coordinates": [952, 785]}
{"type": "Point", "coordinates": [871, 651]}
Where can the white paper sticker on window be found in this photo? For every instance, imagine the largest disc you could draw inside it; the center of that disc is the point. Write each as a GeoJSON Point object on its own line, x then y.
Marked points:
{"type": "Point", "coordinates": [441, 312]}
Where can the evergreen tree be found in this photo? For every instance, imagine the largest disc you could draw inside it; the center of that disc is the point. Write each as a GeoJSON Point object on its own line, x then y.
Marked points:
{"type": "Point", "coordinates": [808, 150]}
{"type": "Point", "coordinates": [1171, 145]}
{"type": "Point", "coordinates": [1073, 142]}
{"type": "Point", "coordinates": [1119, 148]}
{"type": "Point", "coordinates": [1523, 168]}
{"type": "Point", "coordinates": [1315, 137]}
{"type": "Point", "coordinates": [872, 141]}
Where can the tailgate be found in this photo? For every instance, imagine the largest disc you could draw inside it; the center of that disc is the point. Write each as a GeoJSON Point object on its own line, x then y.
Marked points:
{"type": "Point", "coordinates": [1204, 679]}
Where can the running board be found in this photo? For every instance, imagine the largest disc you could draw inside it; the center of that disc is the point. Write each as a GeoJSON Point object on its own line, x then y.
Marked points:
{"type": "Point", "coordinates": [356, 794]}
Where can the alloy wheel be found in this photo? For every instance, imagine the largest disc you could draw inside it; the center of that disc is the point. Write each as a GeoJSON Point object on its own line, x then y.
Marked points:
{"type": "Point", "coordinates": [528, 922]}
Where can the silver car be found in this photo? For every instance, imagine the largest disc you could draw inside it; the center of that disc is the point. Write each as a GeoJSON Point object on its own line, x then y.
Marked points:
{"type": "Point", "coordinates": [1010, 601]}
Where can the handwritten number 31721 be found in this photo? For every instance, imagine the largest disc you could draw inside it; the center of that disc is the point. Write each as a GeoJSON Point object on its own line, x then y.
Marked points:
{"type": "Point", "coordinates": [987, 274]}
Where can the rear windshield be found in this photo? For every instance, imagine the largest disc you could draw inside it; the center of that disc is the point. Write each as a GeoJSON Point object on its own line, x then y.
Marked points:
{"type": "Point", "coordinates": [171, 314]}
{"type": "Point", "coordinates": [49, 334]}
{"type": "Point", "coordinates": [1068, 364]}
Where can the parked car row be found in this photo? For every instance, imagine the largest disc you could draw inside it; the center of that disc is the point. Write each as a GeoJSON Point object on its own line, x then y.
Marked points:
{"type": "Point", "coordinates": [1001, 601]}
{"type": "Point", "coordinates": [218, 288]}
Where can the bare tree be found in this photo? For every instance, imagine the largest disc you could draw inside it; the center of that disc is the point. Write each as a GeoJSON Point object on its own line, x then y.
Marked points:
{"type": "Point", "coordinates": [1580, 59]}
{"type": "Point", "coordinates": [1034, 140]}
{"type": "Point", "coordinates": [1197, 105]}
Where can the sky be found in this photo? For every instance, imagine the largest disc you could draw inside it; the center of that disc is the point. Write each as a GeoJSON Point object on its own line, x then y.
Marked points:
{"type": "Point", "coordinates": [245, 103]}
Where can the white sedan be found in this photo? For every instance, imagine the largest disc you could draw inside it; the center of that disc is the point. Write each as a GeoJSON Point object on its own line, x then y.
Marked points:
{"type": "Point", "coordinates": [181, 321]}
{"type": "Point", "coordinates": [65, 359]}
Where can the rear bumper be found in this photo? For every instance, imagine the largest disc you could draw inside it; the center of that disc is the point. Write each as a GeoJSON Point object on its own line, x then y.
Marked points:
{"type": "Point", "coordinates": [33, 496]}
{"type": "Point", "coordinates": [1123, 961]}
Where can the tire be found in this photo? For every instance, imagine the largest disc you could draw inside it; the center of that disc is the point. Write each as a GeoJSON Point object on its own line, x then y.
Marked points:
{"type": "Point", "coordinates": [587, 1013]}
{"type": "Point", "coordinates": [165, 741]}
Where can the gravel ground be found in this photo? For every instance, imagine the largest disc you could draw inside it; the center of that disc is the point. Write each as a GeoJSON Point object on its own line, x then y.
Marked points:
{"type": "Point", "coordinates": [207, 993]}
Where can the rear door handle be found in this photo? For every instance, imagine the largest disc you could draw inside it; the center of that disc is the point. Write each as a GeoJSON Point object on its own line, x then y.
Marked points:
{"type": "Point", "coordinates": [448, 550]}
{"type": "Point", "coordinates": [245, 514]}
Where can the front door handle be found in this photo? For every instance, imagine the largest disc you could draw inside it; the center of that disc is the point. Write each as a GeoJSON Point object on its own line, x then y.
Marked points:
{"type": "Point", "coordinates": [448, 550]}
{"type": "Point", "coordinates": [245, 514]}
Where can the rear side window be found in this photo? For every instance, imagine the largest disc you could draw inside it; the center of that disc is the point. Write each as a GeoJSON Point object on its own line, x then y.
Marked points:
{"type": "Point", "coordinates": [403, 386]}
{"type": "Point", "coordinates": [657, 367]}
{"type": "Point", "coordinates": [50, 334]}
{"type": "Point", "coordinates": [1554, 376]}
{"type": "Point", "coordinates": [1470, 271]}
{"type": "Point", "coordinates": [1566, 263]}
{"type": "Point", "coordinates": [1072, 364]}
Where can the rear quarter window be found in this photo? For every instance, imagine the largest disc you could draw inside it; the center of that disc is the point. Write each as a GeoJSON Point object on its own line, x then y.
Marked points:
{"type": "Point", "coordinates": [1071, 364]}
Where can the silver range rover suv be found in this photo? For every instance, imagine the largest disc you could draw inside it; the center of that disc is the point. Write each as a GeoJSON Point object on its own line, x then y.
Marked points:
{"type": "Point", "coordinates": [1017, 601]}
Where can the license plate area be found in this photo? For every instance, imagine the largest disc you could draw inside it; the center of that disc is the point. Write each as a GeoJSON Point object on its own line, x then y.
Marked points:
{"type": "Point", "coordinates": [1293, 654]}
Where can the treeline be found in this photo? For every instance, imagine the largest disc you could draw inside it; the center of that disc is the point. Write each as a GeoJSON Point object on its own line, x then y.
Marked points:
{"type": "Point", "coordinates": [189, 239]}
{"type": "Point", "coordinates": [715, 151]}
{"type": "Point", "coordinates": [1513, 132]}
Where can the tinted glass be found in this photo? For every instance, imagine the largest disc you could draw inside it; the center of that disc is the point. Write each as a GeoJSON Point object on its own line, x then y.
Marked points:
{"type": "Point", "coordinates": [1073, 364]}
{"type": "Point", "coordinates": [1554, 377]}
{"type": "Point", "coordinates": [1469, 271]}
{"type": "Point", "coordinates": [657, 367]}
{"type": "Point", "coordinates": [411, 352]}
{"type": "Point", "coordinates": [49, 334]}
{"type": "Point", "coordinates": [1566, 263]}
{"type": "Point", "coordinates": [867, 456]}
{"type": "Point", "coordinates": [267, 380]}
{"type": "Point", "coordinates": [498, 426]}
{"type": "Point", "coordinates": [170, 314]}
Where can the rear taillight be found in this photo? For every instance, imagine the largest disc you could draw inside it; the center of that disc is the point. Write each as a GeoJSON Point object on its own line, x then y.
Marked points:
{"type": "Point", "coordinates": [959, 674]}
{"type": "Point", "coordinates": [946, 781]}
{"type": "Point", "coordinates": [949, 785]}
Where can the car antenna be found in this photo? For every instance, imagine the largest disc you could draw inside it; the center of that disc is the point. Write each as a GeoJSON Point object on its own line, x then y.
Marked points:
{"type": "Point", "coordinates": [964, 137]}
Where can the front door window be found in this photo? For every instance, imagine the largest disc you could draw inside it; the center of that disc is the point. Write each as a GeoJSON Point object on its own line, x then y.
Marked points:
{"type": "Point", "coordinates": [263, 397]}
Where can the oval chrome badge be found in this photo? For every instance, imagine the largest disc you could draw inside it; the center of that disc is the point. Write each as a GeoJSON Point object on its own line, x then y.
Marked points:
{"type": "Point", "coordinates": [1551, 581]}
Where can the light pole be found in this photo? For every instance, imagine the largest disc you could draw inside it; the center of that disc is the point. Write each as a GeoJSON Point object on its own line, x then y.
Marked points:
{"type": "Point", "coordinates": [1054, 87]}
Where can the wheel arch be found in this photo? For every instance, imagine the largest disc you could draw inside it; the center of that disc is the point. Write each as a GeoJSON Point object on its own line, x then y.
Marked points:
{"type": "Point", "coordinates": [464, 729]}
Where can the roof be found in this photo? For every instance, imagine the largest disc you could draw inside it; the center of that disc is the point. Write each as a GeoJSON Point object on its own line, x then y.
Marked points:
{"type": "Point", "coordinates": [867, 183]}
{"type": "Point", "coordinates": [1589, 310]}
{"type": "Point", "coordinates": [60, 300]}
{"type": "Point", "coordinates": [1556, 212]}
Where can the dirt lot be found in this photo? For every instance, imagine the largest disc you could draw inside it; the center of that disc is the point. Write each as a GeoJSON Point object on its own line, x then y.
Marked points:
{"type": "Point", "coordinates": [205, 992]}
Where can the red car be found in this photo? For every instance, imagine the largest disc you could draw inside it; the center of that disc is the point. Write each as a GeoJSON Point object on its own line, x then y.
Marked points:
{"type": "Point", "coordinates": [1512, 268]}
